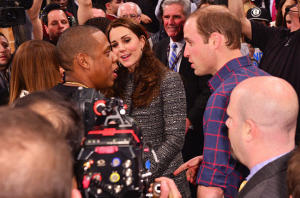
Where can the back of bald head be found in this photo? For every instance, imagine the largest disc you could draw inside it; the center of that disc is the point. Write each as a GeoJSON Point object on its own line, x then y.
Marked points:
{"type": "Point", "coordinates": [34, 161]}
{"type": "Point", "coordinates": [75, 40]}
{"type": "Point", "coordinates": [270, 102]}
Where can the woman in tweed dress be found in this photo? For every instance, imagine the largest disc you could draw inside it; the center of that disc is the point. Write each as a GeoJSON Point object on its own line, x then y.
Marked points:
{"type": "Point", "coordinates": [155, 97]}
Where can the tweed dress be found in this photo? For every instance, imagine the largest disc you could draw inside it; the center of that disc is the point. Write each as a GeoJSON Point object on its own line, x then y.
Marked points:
{"type": "Point", "coordinates": [163, 126]}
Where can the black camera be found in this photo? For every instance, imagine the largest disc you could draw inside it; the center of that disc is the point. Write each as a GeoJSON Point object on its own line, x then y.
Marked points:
{"type": "Point", "coordinates": [12, 12]}
{"type": "Point", "coordinates": [110, 162]}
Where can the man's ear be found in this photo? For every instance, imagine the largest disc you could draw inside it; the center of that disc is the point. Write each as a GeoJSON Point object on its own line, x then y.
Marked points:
{"type": "Point", "coordinates": [250, 130]}
{"type": "Point", "coordinates": [75, 193]}
{"type": "Point", "coordinates": [215, 40]}
{"type": "Point", "coordinates": [46, 28]}
{"type": "Point", "coordinates": [82, 60]}
{"type": "Point", "coordinates": [107, 5]}
{"type": "Point", "coordinates": [139, 19]}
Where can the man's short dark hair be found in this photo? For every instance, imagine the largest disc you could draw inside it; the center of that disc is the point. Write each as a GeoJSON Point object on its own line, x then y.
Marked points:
{"type": "Point", "coordinates": [100, 4]}
{"type": "Point", "coordinates": [34, 161]}
{"type": "Point", "coordinates": [99, 22]}
{"type": "Point", "coordinates": [48, 9]}
{"type": "Point", "coordinates": [72, 41]}
{"type": "Point", "coordinates": [216, 18]}
{"type": "Point", "coordinates": [62, 114]}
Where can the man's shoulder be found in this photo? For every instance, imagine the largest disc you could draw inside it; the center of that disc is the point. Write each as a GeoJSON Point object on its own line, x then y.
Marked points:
{"type": "Point", "coordinates": [244, 72]}
{"type": "Point", "coordinates": [160, 49]}
{"type": "Point", "coordinates": [272, 186]}
{"type": "Point", "coordinates": [236, 76]}
{"type": "Point", "coordinates": [66, 91]}
{"type": "Point", "coordinates": [162, 43]}
{"type": "Point", "coordinates": [267, 182]}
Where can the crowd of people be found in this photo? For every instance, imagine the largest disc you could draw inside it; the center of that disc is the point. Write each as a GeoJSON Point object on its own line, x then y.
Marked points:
{"type": "Point", "coordinates": [212, 84]}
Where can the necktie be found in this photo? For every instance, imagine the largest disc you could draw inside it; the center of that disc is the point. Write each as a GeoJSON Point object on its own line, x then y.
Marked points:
{"type": "Point", "coordinates": [173, 56]}
{"type": "Point", "coordinates": [242, 185]}
{"type": "Point", "coordinates": [274, 11]}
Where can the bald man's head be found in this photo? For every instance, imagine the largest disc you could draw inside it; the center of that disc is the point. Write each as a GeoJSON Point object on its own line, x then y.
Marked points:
{"type": "Point", "coordinates": [262, 118]}
{"type": "Point", "coordinates": [270, 102]}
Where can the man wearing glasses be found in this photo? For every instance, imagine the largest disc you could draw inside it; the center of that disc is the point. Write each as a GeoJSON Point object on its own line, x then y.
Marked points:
{"type": "Point", "coordinates": [130, 10]}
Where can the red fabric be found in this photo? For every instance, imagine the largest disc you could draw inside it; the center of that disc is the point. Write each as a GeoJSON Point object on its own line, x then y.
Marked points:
{"type": "Point", "coordinates": [111, 17]}
{"type": "Point", "coordinates": [274, 11]}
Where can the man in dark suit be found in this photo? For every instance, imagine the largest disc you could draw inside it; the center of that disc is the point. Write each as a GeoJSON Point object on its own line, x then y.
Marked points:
{"type": "Point", "coordinates": [261, 127]}
{"type": "Point", "coordinates": [197, 92]}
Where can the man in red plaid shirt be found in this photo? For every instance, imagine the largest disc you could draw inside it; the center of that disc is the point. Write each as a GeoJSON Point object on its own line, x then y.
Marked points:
{"type": "Point", "coordinates": [212, 37]}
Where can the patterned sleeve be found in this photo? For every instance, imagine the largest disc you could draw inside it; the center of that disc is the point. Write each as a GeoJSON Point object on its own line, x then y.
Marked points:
{"type": "Point", "coordinates": [217, 164]}
{"type": "Point", "coordinates": [174, 114]}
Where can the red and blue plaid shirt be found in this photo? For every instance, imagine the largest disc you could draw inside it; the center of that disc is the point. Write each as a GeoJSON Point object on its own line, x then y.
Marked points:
{"type": "Point", "coordinates": [218, 168]}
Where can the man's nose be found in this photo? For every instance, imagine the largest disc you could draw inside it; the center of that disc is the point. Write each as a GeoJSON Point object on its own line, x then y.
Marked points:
{"type": "Point", "coordinates": [186, 53]}
{"type": "Point", "coordinates": [171, 20]}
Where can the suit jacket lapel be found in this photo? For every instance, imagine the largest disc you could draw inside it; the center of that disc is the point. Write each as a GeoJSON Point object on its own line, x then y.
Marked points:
{"type": "Point", "coordinates": [166, 43]}
{"type": "Point", "coordinates": [267, 171]}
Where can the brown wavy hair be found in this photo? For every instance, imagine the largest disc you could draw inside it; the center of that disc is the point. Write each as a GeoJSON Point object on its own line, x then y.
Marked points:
{"type": "Point", "coordinates": [147, 75]}
{"type": "Point", "coordinates": [35, 67]}
{"type": "Point", "coordinates": [216, 18]}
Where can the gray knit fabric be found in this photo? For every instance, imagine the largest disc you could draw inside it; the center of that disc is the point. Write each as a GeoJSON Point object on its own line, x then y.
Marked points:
{"type": "Point", "coordinates": [163, 125]}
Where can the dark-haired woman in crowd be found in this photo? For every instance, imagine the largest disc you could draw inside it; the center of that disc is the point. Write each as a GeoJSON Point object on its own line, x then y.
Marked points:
{"type": "Point", "coordinates": [155, 97]}
{"type": "Point", "coordinates": [35, 67]}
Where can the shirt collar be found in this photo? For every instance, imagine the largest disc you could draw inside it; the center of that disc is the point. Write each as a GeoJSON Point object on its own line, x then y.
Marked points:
{"type": "Point", "coordinates": [180, 43]}
{"type": "Point", "coordinates": [226, 70]}
{"type": "Point", "coordinates": [259, 166]}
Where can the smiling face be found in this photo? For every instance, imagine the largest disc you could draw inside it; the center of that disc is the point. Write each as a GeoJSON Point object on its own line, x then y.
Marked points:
{"type": "Point", "coordinates": [5, 53]}
{"type": "Point", "coordinates": [198, 51]}
{"type": "Point", "coordinates": [127, 46]}
{"type": "Point", "coordinates": [173, 19]}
